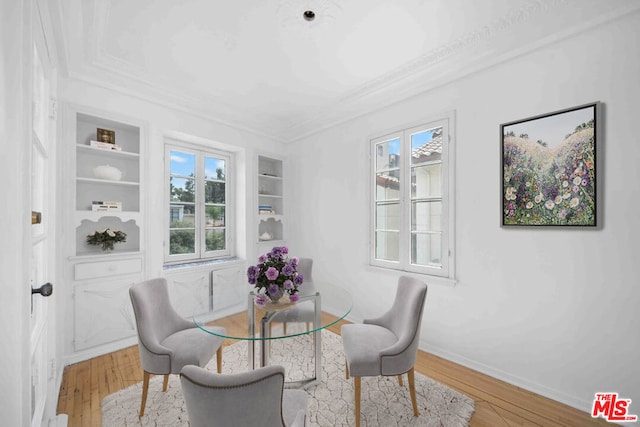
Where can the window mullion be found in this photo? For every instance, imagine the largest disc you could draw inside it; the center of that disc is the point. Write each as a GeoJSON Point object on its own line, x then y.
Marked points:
{"type": "Point", "coordinates": [200, 217]}
{"type": "Point", "coordinates": [405, 200]}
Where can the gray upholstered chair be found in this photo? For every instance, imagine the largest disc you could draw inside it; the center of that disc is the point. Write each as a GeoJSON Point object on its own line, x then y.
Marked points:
{"type": "Point", "coordinates": [254, 398]}
{"type": "Point", "coordinates": [166, 341]}
{"type": "Point", "coordinates": [304, 311]}
{"type": "Point", "coordinates": [387, 345]}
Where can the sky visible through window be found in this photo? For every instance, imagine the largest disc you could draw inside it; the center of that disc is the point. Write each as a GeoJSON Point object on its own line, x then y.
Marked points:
{"type": "Point", "coordinates": [421, 138]}
{"type": "Point", "coordinates": [418, 140]}
{"type": "Point", "coordinates": [394, 146]}
{"type": "Point", "coordinates": [184, 164]}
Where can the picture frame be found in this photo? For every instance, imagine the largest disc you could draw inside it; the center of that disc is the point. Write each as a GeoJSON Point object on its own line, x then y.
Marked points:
{"type": "Point", "coordinates": [549, 169]}
{"type": "Point", "coordinates": [104, 135]}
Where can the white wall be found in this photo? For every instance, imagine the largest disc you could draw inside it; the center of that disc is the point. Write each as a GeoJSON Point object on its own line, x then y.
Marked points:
{"type": "Point", "coordinates": [551, 310]}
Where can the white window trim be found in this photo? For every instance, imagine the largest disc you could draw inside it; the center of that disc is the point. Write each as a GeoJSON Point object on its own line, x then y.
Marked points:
{"type": "Point", "coordinates": [445, 274]}
{"type": "Point", "coordinates": [201, 253]}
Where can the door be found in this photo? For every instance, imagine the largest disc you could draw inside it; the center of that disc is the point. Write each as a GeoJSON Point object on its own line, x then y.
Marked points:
{"type": "Point", "coordinates": [24, 330]}
{"type": "Point", "coordinates": [42, 191]}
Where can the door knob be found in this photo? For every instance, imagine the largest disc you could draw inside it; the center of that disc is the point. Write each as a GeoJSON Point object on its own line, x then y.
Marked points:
{"type": "Point", "coordinates": [44, 290]}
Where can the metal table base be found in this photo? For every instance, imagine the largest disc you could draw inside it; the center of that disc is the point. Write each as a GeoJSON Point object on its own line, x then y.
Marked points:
{"type": "Point", "coordinates": [265, 338]}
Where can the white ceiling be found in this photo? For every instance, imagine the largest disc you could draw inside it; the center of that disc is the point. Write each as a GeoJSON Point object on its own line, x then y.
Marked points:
{"type": "Point", "coordinates": [259, 66]}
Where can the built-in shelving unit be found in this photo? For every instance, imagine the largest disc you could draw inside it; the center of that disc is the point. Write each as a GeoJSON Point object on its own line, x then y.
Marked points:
{"type": "Point", "coordinates": [270, 200]}
{"type": "Point", "coordinates": [102, 317]}
{"type": "Point", "coordinates": [124, 188]}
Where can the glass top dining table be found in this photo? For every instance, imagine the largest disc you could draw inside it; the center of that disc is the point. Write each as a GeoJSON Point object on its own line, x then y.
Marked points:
{"type": "Point", "coordinates": [301, 318]}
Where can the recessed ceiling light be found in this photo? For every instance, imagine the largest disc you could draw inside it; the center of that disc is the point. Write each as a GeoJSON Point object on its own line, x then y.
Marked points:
{"type": "Point", "coordinates": [315, 14]}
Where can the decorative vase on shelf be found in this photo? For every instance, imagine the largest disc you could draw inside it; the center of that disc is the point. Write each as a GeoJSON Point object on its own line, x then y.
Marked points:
{"type": "Point", "coordinates": [108, 172]}
{"type": "Point", "coordinates": [265, 236]}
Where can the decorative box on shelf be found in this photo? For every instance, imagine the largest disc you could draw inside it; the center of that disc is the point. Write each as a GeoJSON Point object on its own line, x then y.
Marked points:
{"type": "Point", "coordinates": [100, 206]}
{"type": "Point", "coordinates": [266, 210]}
{"type": "Point", "coordinates": [105, 145]}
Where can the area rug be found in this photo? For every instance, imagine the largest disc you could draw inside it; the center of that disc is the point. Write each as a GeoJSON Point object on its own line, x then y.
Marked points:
{"type": "Point", "coordinates": [384, 402]}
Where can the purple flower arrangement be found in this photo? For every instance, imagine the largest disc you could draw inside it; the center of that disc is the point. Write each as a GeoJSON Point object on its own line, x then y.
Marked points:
{"type": "Point", "coordinates": [275, 275]}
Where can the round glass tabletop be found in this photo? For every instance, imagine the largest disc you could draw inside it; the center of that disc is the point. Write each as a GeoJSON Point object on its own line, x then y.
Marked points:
{"type": "Point", "coordinates": [285, 319]}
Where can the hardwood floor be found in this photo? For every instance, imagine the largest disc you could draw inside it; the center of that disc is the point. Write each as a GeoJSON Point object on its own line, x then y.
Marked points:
{"type": "Point", "coordinates": [497, 404]}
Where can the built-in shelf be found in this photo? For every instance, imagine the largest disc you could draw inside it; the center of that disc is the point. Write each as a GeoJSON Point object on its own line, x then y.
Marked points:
{"type": "Point", "coordinates": [267, 176]}
{"type": "Point", "coordinates": [270, 209]}
{"type": "Point", "coordinates": [266, 217]}
{"type": "Point", "coordinates": [99, 281]}
{"type": "Point", "coordinates": [103, 256]}
{"type": "Point", "coordinates": [90, 189]}
{"type": "Point", "coordinates": [107, 181]}
{"type": "Point", "coordinates": [106, 153]}
{"type": "Point", "coordinates": [94, 216]}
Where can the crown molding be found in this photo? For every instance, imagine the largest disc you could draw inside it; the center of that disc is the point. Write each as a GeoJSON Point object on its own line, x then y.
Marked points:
{"type": "Point", "coordinates": [442, 53]}
{"type": "Point", "coordinates": [105, 70]}
{"type": "Point", "coordinates": [496, 42]}
{"type": "Point", "coordinates": [126, 75]}
{"type": "Point", "coordinates": [445, 65]}
{"type": "Point", "coordinates": [199, 106]}
{"type": "Point", "coordinates": [92, 65]}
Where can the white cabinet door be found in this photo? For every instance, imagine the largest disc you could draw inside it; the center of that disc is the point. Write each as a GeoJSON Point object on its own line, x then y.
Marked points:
{"type": "Point", "coordinates": [103, 313]}
{"type": "Point", "coordinates": [189, 292]}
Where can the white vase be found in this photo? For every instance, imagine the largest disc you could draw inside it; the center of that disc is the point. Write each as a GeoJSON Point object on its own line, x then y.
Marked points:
{"type": "Point", "coordinates": [108, 172]}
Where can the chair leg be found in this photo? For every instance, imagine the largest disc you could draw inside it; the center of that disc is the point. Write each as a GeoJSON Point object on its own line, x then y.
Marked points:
{"type": "Point", "coordinates": [412, 392]}
{"type": "Point", "coordinates": [356, 398]}
{"type": "Point", "coordinates": [145, 389]}
{"type": "Point", "coordinates": [219, 359]}
{"type": "Point", "coordinates": [400, 380]}
{"type": "Point", "coordinates": [165, 382]}
{"type": "Point", "coordinates": [346, 368]}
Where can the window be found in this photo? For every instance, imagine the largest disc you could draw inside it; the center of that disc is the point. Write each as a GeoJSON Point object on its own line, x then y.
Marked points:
{"type": "Point", "coordinates": [412, 181]}
{"type": "Point", "coordinates": [199, 204]}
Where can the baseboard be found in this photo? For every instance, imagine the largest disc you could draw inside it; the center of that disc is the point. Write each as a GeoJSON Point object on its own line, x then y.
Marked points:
{"type": "Point", "coordinates": [90, 353]}
{"type": "Point", "coordinates": [514, 380]}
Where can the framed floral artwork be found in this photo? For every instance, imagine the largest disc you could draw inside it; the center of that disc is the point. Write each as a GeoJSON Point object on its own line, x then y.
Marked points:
{"type": "Point", "coordinates": [549, 169]}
